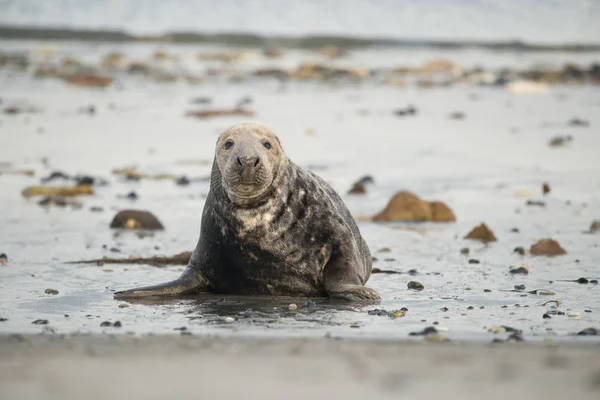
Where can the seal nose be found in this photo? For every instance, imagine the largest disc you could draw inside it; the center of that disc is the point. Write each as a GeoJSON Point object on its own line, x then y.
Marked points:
{"type": "Point", "coordinates": [249, 162]}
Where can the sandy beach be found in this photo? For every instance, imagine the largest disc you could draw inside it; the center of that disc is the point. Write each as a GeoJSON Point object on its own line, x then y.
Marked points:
{"type": "Point", "coordinates": [117, 367]}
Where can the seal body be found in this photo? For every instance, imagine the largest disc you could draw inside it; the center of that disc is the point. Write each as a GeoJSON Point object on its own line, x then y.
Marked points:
{"type": "Point", "coordinates": [270, 227]}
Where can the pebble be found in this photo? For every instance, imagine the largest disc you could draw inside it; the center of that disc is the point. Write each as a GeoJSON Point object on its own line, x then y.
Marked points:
{"type": "Point", "coordinates": [106, 323]}
{"type": "Point", "coordinates": [546, 316]}
{"type": "Point", "coordinates": [520, 287]}
{"type": "Point", "coordinates": [229, 319]}
{"type": "Point", "coordinates": [473, 261]}
{"type": "Point", "coordinates": [355, 325]}
{"type": "Point", "coordinates": [183, 181]}
{"type": "Point", "coordinates": [3, 259]}
{"type": "Point", "coordinates": [464, 251]}
{"type": "Point", "coordinates": [414, 285]}
{"type": "Point", "coordinates": [310, 304]}
{"type": "Point", "coordinates": [582, 281]}
{"type": "Point", "coordinates": [40, 322]}
{"type": "Point", "coordinates": [51, 291]}
{"type": "Point", "coordinates": [430, 330]}
{"type": "Point", "coordinates": [487, 290]}
{"type": "Point", "coordinates": [396, 314]}
{"type": "Point", "coordinates": [117, 324]}
{"type": "Point", "coordinates": [292, 307]}
{"type": "Point", "coordinates": [519, 250]}
{"type": "Point", "coordinates": [2, 319]}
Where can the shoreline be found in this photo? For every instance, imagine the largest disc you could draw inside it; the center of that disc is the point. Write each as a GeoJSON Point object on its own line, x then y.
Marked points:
{"type": "Point", "coordinates": [311, 41]}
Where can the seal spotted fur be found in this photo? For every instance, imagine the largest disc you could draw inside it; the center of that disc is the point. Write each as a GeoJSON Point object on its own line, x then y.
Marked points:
{"type": "Point", "coordinates": [270, 227]}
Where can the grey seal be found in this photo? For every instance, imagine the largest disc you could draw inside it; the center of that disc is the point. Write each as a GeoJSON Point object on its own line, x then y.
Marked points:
{"type": "Point", "coordinates": [270, 227]}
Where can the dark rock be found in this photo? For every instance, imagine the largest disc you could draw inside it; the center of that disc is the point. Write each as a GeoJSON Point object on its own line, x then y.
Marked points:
{"type": "Point", "coordinates": [384, 271]}
{"type": "Point", "coordinates": [487, 290]}
{"type": "Point", "coordinates": [578, 122]}
{"type": "Point", "coordinates": [589, 332]}
{"type": "Point", "coordinates": [520, 287]}
{"type": "Point", "coordinates": [515, 230]}
{"type": "Point", "coordinates": [183, 181]}
{"type": "Point", "coordinates": [85, 180]}
{"type": "Point", "coordinates": [595, 227]}
{"type": "Point", "coordinates": [117, 324]}
{"type": "Point", "coordinates": [106, 323]}
{"type": "Point", "coordinates": [414, 285]}
{"type": "Point", "coordinates": [129, 196]}
{"type": "Point", "coordinates": [515, 337]}
{"type": "Point", "coordinates": [53, 201]}
{"type": "Point", "coordinates": [547, 247]}
{"type": "Point", "coordinates": [96, 209]}
{"type": "Point", "coordinates": [430, 330]}
{"type": "Point", "coordinates": [404, 112]}
{"type": "Point", "coordinates": [115, 250]}
{"type": "Point", "coordinates": [559, 141]}
{"type": "Point", "coordinates": [2, 319]}
{"type": "Point", "coordinates": [519, 250]}
{"type": "Point", "coordinates": [359, 187]}
{"type": "Point", "coordinates": [546, 316]}
{"type": "Point", "coordinates": [51, 291]}
{"type": "Point", "coordinates": [3, 259]}
{"type": "Point", "coordinates": [310, 304]}
{"type": "Point", "coordinates": [536, 203]}
{"type": "Point", "coordinates": [413, 272]}
{"type": "Point", "coordinates": [521, 271]}
{"type": "Point", "coordinates": [594, 281]}
{"type": "Point", "coordinates": [582, 281]}
{"type": "Point", "coordinates": [482, 233]}
{"type": "Point", "coordinates": [40, 322]}
{"type": "Point", "coordinates": [379, 312]}
{"type": "Point", "coordinates": [135, 219]}
{"type": "Point", "coordinates": [55, 175]}
{"type": "Point", "coordinates": [473, 261]}
{"type": "Point", "coordinates": [464, 251]}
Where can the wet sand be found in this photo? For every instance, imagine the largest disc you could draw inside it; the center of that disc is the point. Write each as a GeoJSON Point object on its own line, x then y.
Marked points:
{"type": "Point", "coordinates": [186, 367]}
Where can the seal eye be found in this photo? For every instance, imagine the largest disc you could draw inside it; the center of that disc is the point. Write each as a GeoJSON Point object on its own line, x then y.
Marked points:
{"type": "Point", "coordinates": [228, 144]}
{"type": "Point", "coordinates": [267, 145]}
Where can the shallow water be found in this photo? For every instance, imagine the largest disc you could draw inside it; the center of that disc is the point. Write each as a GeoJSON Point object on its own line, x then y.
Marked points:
{"type": "Point", "coordinates": [475, 165]}
{"type": "Point", "coordinates": [489, 20]}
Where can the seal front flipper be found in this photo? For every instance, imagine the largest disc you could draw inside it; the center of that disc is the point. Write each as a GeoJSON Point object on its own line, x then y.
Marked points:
{"type": "Point", "coordinates": [189, 282]}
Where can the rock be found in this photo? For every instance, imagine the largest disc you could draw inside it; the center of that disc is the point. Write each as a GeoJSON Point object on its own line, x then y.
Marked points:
{"type": "Point", "coordinates": [206, 114]}
{"type": "Point", "coordinates": [396, 314]}
{"type": "Point", "coordinates": [292, 307]}
{"type": "Point", "coordinates": [51, 291]}
{"type": "Point", "coordinates": [405, 206]}
{"type": "Point", "coordinates": [578, 122]}
{"type": "Point", "coordinates": [3, 259]}
{"type": "Point", "coordinates": [520, 287]}
{"type": "Point", "coordinates": [473, 261]}
{"type": "Point", "coordinates": [589, 332]}
{"type": "Point", "coordinates": [545, 188]}
{"type": "Point", "coordinates": [559, 141]}
{"type": "Point", "coordinates": [272, 52]}
{"type": "Point", "coordinates": [183, 181]}
{"type": "Point", "coordinates": [404, 112]}
{"type": "Point", "coordinates": [359, 187]}
{"type": "Point", "coordinates": [522, 270]}
{"type": "Point", "coordinates": [106, 323]}
{"type": "Point", "coordinates": [482, 233]}
{"type": "Point", "coordinates": [96, 209]}
{"type": "Point", "coordinates": [464, 251]}
{"type": "Point", "coordinates": [331, 52]}
{"type": "Point", "coordinates": [66, 191]}
{"type": "Point", "coordinates": [519, 250]}
{"type": "Point", "coordinates": [414, 285]}
{"type": "Point", "coordinates": [504, 328]}
{"type": "Point", "coordinates": [136, 219]}
{"type": "Point", "coordinates": [117, 324]}
{"type": "Point", "coordinates": [2, 319]}
{"type": "Point", "coordinates": [96, 81]}
{"type": "Point", "coordinates": [526, 87]}
{"type": "Point", "coordinates": [595, 227]}
{"type": "Point", "coordinates": [129, 196]}
{"type": "Point", "coordinates": [430, 330]}
{"type": "Point", "coordinates": [40, 322]}
{"type": "Point", "coordinates": [536, 203]}
{"type": "Point", "coordinates": [441, 212]}
{"type": "Point", "coordinates": [384, 271]}
{"type": "Point", "coordinates": [582, 281]}
{"type": "Point", "coordinates": [457, 115]}
{"type": "Point", "coordinates": [547, 247]}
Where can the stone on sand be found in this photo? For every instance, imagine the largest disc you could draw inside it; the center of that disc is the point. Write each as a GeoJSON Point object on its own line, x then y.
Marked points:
{"type": "Point", "coordinates": [405, 206]}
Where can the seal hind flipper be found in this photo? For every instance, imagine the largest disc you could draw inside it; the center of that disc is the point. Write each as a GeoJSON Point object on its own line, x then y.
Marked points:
{"type": "Point", "coordinates": [189, 282]}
